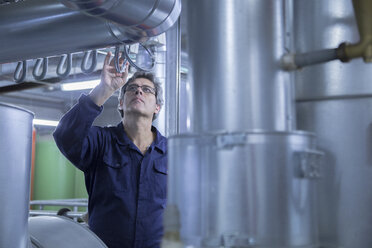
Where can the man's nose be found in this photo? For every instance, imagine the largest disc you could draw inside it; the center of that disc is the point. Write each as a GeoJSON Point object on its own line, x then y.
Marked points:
{"type": "Point", "coordinates": [139, 91]}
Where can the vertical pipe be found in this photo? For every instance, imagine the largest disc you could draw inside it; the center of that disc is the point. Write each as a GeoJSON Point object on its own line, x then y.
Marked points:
{"type": "Point", "coordinates": [172, 80]}
{"type": "Point", "coordinates": [234, 49]}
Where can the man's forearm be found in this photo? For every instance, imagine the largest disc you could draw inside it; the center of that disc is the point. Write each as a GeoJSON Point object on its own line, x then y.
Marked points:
{"type": "Point", "coordinates": [100, 94]}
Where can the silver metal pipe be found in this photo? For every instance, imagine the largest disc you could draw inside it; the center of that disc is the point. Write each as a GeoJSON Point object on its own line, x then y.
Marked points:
{"type": "Point", "coordinates": [295, 61]}
{"type": "Point", "coordinates": [234, 51]}
{"type": "Point", "coordinates": [172, 80]}
{"type": "Point", "coordinates": [146, 18]}
{"type": "Point", "coordinates": [54, 213]}
{"type": "Point", "coordinates": [41, 28]}
{"type": "Point", "coordinates": [59, 203]}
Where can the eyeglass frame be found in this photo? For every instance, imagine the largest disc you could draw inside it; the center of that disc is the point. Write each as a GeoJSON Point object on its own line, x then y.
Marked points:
{"type": "Point", "coordinates": [152, 91]}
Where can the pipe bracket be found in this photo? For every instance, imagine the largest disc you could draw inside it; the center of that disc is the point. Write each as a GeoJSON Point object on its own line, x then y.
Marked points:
{"type": "Point", "coordinates": [230, 140]}
{"type": "Point", "coordinates": [61, 62]}
{"type": "Point", "coordinates": [20, 71]}
{"type": "Point", "coordinates": [40, 62]}
{"type": "Point", "coordinates": [84, 62]}
{"type": "Point", "coordinates": [309, 164]}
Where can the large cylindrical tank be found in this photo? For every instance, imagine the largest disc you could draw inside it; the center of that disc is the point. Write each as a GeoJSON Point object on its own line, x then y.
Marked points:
{"type": "Point", "coordinates": [251, 189]}
{"type": "Point", "coordinates": [244, 177]}
{"type": "Point", "coordinates": [334, 101]}
{"type": "Point", "coordinates": [15, 165]}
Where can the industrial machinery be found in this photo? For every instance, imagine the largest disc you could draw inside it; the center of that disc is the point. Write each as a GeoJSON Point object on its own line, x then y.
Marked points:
{"type": "Point", "coordinates": [267, 111]}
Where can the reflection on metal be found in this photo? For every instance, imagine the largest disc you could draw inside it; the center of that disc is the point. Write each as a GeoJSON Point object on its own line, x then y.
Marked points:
{"type": "Point", "coordinates": [15, 163]}
{"type": "Point", "coordinates": [61, 232]}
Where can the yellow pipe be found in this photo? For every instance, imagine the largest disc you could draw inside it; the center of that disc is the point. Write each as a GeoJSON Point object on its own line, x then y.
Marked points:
{"type": "Point", "coordinates": [363, 15]}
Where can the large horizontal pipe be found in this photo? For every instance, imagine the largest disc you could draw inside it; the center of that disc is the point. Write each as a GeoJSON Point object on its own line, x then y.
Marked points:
{"type": "Point", "coordinates": [41, 28]}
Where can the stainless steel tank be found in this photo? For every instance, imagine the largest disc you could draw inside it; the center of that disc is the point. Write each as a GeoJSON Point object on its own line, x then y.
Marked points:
{"type": "Point", "coordinates": [244, 177]}
{"type": "Point", "coordinates": [251, 189]}
{"type": "Point", "coordinates": [334, 101]}
{"type": "Point", "coordinates": [15, 165]}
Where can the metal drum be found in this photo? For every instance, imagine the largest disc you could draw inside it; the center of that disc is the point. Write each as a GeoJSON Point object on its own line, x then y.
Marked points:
{"type": "Point", "coordinates": [15, 165]}
{"type": "Point", "coordinates": [253, 189]}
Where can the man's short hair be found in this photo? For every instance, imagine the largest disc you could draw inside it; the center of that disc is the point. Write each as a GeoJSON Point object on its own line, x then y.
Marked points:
{"type": "Point", "coordinates": [151, 77]}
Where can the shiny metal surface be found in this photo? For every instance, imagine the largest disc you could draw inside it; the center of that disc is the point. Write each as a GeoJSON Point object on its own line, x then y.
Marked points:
{"type": "Point", "coordinates": [61, 232]}
{"type": "Point", "coordinates": [344, 132]}
{"type": "Point", "coordinates": [15, 163]}
{"type": "Point", "coordinates": [322, 24]}
{"type": "Point", "coordinates": [42, 28]}
{"type": "Point", "coordinates": [243, 189]}
{"type": "Point", "coordinates": [234, 52]}
{"type": "Point", "coordinates": [146, 17]}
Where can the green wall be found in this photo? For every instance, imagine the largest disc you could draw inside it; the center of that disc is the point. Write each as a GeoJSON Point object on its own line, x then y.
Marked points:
{"type": "Point", "coordinates": [54, 176]}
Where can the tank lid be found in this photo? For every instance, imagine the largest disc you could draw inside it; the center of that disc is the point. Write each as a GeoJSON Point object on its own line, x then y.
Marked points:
{"type": "Point", "coordinates": [6, 105]}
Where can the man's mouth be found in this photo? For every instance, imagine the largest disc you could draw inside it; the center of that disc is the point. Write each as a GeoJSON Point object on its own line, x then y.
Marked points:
{"type": "Point", "coordinates": [137, 99]}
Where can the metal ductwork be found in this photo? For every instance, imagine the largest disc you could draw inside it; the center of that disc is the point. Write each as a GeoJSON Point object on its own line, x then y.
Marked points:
{"type": "Point", "coordinates": [41, 28]}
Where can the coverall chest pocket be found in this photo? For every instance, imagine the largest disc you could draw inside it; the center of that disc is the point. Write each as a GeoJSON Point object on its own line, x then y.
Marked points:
{"type": "Point", "coordinates": [160, 172]}
{"type": "Point", "coordinates": [117, 172]}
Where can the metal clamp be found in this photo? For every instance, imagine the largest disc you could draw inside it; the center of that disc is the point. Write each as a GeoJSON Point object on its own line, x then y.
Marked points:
{"type": "Point", "coordinates": [20, 71]}
{"type": "Point", "coordinates": [126, 51]}
{"type": "Point", "coordinates": [117, 59]}
{"type": "Point", "coordinates": [61, 62]}
{"type": "Point", "coordinates": [309, 164]}
{"type": "Point", "coordinates": [84, 62]}
{"type": "Point", "coordinates": [37, 66]}
{"type": "Point", "coordinates": [229, 140]}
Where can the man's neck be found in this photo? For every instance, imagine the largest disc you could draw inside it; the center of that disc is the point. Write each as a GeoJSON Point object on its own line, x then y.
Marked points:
{"type": "Point", "coordinates": [139, 131]}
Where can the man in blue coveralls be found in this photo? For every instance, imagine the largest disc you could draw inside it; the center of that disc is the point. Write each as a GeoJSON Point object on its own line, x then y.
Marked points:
{"type": "Point", "coordinates": [125, 166]}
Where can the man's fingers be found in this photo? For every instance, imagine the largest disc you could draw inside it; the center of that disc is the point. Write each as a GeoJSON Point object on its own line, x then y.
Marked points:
{"type": "Point", "coordinates": [125, 74]}
{"type": "Point", "coordinates": [107, 58]}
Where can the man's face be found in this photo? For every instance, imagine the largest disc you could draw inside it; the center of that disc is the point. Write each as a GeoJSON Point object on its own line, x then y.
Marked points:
{"type": "Point", "coordinates": [140, 100]}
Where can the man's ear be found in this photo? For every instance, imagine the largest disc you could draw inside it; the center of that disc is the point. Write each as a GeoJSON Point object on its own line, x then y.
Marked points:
{"type": "Point", "coordinates": [120, 106]}
{"type": "Point", "coordinates": [157, 109]}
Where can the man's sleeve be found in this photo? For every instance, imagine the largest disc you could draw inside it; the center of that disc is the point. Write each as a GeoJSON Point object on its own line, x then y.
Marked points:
{"type": "Point", "coordinates": [75, 136]}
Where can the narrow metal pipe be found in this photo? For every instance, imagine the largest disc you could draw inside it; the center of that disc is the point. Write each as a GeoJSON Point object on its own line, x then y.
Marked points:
{"type": "Point", "coordinates": [295, 61]}
{"type": "Point", "coordinates": [172, 79]}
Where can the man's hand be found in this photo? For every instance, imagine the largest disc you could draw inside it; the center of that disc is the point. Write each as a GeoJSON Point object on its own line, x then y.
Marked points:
{"type": "Point", "coordinates": [111, 80]}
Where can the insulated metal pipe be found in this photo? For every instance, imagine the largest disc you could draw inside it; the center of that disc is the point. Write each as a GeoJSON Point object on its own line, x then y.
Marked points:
{"type": "Point", "coordinates": [41, 28]}
{"type": "Point", "coordinates": [234, 52]}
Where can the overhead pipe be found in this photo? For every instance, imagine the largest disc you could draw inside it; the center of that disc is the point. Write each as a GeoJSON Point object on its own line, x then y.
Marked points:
{"type": "Point", "coordinates": [42, 28]}
{"type": "Point", "coordinates": [345, 51]}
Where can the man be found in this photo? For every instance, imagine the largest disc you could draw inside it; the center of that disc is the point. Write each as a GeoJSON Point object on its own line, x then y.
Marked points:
{"type": "Point", "coordinates": [125, 167]}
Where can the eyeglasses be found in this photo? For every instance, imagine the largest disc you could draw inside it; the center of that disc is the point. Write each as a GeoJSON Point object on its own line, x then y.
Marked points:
{"type": "Point", "coordinates": [146, 89]}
